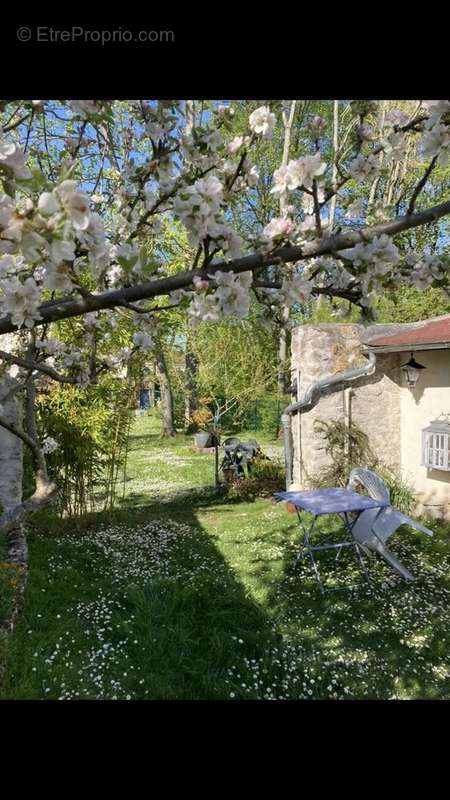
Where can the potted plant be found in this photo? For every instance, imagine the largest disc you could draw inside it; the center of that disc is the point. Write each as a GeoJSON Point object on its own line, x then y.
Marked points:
{"type": "Point", "coordinates": [203, 419]}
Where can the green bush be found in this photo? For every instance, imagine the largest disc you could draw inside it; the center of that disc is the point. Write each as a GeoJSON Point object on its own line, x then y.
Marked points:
{"type": "Point", "coordinates": [91, 427]}
{"type": "Point", "coordinates": [266, 478]}
{"type": "Point", "coordinates": [265, 415]}
{"type": "Point", "coordinates": [349, 448]}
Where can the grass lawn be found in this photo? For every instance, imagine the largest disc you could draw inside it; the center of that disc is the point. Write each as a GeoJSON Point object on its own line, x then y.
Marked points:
{"type": "Point", "coordinates": [183, 595]}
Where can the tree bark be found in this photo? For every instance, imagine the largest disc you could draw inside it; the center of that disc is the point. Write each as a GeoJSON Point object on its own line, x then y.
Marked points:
{"type": "Point", "coordinates": [283, 342]}
{"type": "Point", "coordinates": [168, 427]}
{"type": "Point", "coordinates": [334, 172]}
{"type": "Point", "coordinates": [190, 383]}
{"type": "Point", "coordinates": [11, 447]}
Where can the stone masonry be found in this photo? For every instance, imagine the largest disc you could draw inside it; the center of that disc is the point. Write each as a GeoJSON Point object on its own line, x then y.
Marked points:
{"type": "Point", "coordinates": [372, 403]}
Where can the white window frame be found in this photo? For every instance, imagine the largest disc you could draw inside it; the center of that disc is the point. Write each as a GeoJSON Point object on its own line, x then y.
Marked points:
{"type": "Point", "coordinates": [436, 450]}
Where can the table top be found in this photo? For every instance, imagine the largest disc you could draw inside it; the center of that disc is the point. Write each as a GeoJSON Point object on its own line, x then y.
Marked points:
{"type": "Point", "coordinates": [330, 501]}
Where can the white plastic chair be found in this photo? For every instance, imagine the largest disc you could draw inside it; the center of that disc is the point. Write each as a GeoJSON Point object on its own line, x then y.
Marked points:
{"type": "Point", "coordinates": [374, 527]}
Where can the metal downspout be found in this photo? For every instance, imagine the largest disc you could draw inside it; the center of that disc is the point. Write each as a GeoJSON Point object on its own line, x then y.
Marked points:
{"type": "Point", "coordinates": [308, 398]}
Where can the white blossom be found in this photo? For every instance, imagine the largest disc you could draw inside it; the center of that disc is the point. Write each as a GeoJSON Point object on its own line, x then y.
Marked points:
{"type": "Point", "coordinates": [21, 301]}
{"type": "Point", "coordinates": [380, 254]}
{"type": "Point", "coordinates": [263, 121]}
{"type": "Point", "coordinates": [143, 341]}
{"type": "Point", "coordinates": [75, 203]}
{"type": "Point", "coordinates": [436, 142]}
{"type": "Point", "coordinates": [49, 445]}
{"type": "Point", "coordinates": [355, 209]}
{"type": "Point", "coordinates": [48, 203]}
{"type": "Point", "coordinates": [296, 289]}
{"type": "Point", "coordinates": [13, 157]}
{"type": "Point", "coordinates": [299, 172]}
{"type": "Point", "coordinates": [364, 168]}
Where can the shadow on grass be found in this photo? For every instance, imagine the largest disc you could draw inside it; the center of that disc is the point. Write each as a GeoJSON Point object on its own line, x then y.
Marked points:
{"type": "Point", "coordinates": [193, 621]}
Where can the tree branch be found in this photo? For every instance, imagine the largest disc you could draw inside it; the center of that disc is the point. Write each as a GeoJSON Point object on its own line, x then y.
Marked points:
{"type": "Point", "coordinates": [35, 366]}
{"type": "Point", "coordinates": [73, 307]}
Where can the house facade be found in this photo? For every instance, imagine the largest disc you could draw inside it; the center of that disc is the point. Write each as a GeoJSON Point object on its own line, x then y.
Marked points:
{"type": "Point", "coordinates": [390, 411]}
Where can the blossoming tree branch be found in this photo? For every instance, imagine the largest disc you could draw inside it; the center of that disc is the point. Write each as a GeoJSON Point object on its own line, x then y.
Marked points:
{"type": "Point", "coordinates": [89, 189]}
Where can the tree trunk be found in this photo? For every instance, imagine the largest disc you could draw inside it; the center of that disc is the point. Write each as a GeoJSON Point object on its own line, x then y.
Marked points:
{"type": "Point", "coordinates": [168, 428]}
{"type": "Point", "coordinates": [283, 343]}
{"type": "Point", "coordinates": [334, 171]}
{"type": "Point", "coordinates": [11, 459]}
{"type": "Point", "coordinates": [190, 384]}
{"type": "Point", "coordinates": [11, 447]}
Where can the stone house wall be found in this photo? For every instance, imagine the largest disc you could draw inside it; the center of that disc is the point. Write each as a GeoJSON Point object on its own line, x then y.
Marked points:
{"type": "Point", "coordinates": [372, 402]}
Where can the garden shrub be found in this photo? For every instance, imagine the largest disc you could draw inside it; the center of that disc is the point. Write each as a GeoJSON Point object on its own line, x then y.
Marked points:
{"type": "Point", "coordinates": [349, 447]}
{"type": "Point", "coordinates": [91, 427]}
{"type": "Point", "coordinates": [266, 478]}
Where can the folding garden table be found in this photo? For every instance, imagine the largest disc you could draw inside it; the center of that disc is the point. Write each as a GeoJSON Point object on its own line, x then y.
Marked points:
{"type": "Point", "coordinates": [321, 502]}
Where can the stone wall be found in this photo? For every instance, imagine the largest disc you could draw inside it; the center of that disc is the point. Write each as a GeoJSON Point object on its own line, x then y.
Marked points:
{"type": "Point", "coordinates": [372, 403]}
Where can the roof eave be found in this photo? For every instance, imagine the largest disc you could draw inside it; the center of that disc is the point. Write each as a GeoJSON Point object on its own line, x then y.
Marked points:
{"type": "Point", "coordinates": [402, 348]}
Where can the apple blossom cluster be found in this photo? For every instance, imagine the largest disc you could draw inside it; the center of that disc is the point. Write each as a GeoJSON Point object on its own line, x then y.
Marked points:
{"type": "Point", "coordinates": [13, 158]}
{"type": "Point", "coordinates": [278, 231]}
{"type": "Point", "coordinates": [262, 122]}
{"type": "Point", "coordinates": [426, 268]}
{"type": "Point", "coordinates": [298, 173]}
{"type": "Point", "coordinates": [436, 139]}
{"type": "Point", "coordinates": [143, 341]}
{"type": "Point", "coordinates": [377, 256]}
{"type": "Point", "coordinates": [364, 168]}
{"type": "Point", "coordinates": [49, 445]}
{"type": "Point", "coordinates": [296, 290]}
{"type": "Point", "coordinates": [85, 108]}
{"type": "Point", "coordinates": [230, 297]}
{"type": "Point", "coordinates": [199, 208]}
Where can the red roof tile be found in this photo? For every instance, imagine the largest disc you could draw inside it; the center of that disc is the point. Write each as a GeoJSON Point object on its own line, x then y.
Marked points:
{"type": "Point", "coordinates": [432, 332]}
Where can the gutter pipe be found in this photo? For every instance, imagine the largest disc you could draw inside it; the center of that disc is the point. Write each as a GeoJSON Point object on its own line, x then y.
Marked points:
{"type": "Point", "coordinates": [307, 400]}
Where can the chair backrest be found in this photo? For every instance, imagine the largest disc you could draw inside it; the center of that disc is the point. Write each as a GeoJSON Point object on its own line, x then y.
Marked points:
{"type": "Point", "coordinates": [372, 482]}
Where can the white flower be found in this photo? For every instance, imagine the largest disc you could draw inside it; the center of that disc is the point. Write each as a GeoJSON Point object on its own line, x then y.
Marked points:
{"type": "Point", "coordinates": [57, 277]}
{"type": "Point", "coordinates": [83, 107]}
{"type": "Point", "coordinates": [296, 290]}
{"type": "Point", "coordinates": [143, 341]}
{"type": "Point", "coordinates": [355, 209]}
{"type": "Point", "coordinates": [204, 308]}
{"type": "Point", "coordinates": [176, 296]}
{"type": "Point", "coordinates": [200, 284]}
{"type": "Point", "coordinates": [11, 265]}
{"type": "Point", "coordinates": [235, 144]}
{"type": "Point", "coordinates": [263, 121]}
{"type": "Point", "coordinates": [62, 251]}
{"type": "Point", "coordinates": [277, 230]}
{"type": "Point", "coordinates": [14, 158]}
{"type": "Point", "coordinates": [395, 118]}
{"type": "Point", "coordinates": [436, 142]}
{"type": "Point", "coordinates": [49, 445]}
{"type": "Point", "coordinates": [426, 269]}
{"type": "Point", "coordinates": [317, 125]}
{"type": "Point", "coordinates": [52, 346]}
{"type": "Point", "coordinates": [380, 254]}
{"type": "Point", "coordinates": [362, 168]}
{"type": "Point", "coordinates": [75, 203]}
{"type": "Point", "coordinates": [48, 203]}
{"type": "Point", "coordinates": [436, 109]}
{"type": "Point", "coordinates": [21, 301]}
{"type": "Point", "coordinates": [395, 146]}
{"type": "Point", "coordinates": [300, 172]}
{"type": "Point", "coordinates": [365, 133]}
{"type": "Point", "coordinates": [33, 245]}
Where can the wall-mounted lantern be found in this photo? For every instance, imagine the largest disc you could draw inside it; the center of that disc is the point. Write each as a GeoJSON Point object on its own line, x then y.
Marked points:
{"type": "Point", "coordinates": [435, 444]}
{"type": "Point", "coordinates": [412, 371]}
